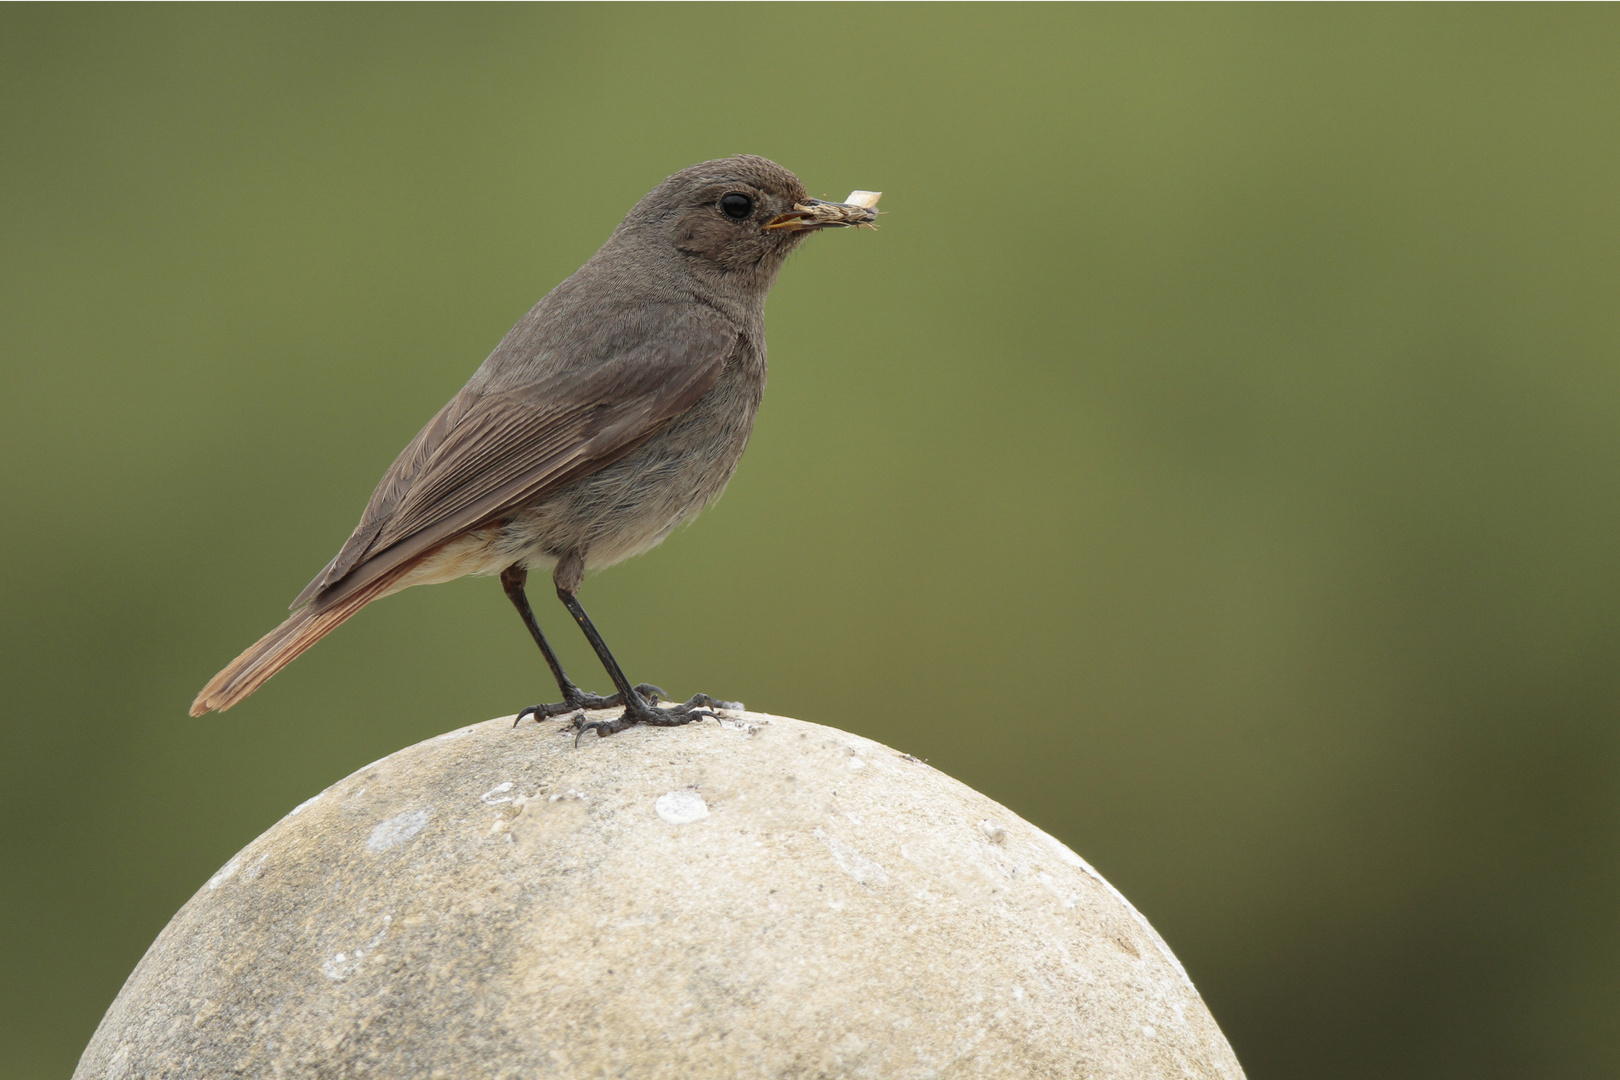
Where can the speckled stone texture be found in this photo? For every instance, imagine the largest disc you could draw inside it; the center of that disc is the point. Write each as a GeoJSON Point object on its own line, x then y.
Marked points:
{"type": "Point", "coordinates": [755, 897]}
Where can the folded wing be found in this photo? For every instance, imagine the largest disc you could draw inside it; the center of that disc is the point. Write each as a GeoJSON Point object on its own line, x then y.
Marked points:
{"type": "Point", "coordinates": [486, 454]}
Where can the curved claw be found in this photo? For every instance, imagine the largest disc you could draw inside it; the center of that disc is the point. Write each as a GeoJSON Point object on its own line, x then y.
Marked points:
{"type": "Point", "coordinates": [545, 712]}
{"type": "Point", "coordinates": [594, 725]}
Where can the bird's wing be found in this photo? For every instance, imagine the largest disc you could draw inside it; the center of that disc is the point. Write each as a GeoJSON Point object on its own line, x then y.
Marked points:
{"type": "Point", "coordinates": [486, 454]}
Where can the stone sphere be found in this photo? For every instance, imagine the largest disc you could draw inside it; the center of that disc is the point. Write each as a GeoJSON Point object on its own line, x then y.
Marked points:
{"type": "Point", "coordinates": [753, 897]}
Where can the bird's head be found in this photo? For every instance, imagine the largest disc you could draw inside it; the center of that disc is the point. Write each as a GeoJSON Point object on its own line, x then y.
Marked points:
{"type": "Point", "coordinates": [736, 217]}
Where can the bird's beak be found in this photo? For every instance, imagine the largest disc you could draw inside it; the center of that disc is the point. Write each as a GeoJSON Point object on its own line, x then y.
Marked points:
{"type": "Point", "coordinates": [815, 214]}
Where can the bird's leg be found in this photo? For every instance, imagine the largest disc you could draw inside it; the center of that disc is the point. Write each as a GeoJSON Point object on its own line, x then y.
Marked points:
{"type": "Point", "coordinates": [513, 579]}
{"type": "Point", "coordinates": [638, 709]}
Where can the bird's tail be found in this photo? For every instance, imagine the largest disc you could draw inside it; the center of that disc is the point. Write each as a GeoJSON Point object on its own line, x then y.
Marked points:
{"type": "Point", "coordinates": [282, 645]}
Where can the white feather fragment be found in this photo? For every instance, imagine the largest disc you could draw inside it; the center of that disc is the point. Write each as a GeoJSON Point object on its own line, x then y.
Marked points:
{"type": "Point", "coordinates": [868, 199]}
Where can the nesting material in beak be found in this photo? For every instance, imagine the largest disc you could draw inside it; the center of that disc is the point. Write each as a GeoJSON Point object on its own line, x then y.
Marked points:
{"type": "Point", "coordinates": [858, 209]}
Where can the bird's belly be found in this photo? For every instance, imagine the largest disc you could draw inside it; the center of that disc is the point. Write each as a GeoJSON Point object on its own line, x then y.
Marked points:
{"type": "Point", "coordinates": [634, 503]}
{"type": "Point", "coordinates": [473, 553]}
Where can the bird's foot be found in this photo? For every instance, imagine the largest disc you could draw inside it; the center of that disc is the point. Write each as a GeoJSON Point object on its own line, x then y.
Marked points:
{"type": "Point", "coordinates": [583, 699]}
{"type": "Point", "coordinates": [647, 712]}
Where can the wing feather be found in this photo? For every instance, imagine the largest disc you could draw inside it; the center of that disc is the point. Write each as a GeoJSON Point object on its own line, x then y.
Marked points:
{"type": "Point", "coordinates": [486, 454]}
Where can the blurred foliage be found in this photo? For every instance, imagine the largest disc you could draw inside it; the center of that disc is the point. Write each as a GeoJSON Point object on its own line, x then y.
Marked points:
{"type": "Point", "coordinates": [1215, 457]}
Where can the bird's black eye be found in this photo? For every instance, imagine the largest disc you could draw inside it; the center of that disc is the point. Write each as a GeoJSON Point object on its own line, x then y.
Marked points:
{"type": "Point", "coordinates": [736, 205]}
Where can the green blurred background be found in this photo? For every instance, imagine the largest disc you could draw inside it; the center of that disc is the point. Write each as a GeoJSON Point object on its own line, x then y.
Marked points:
{"type": "Point", "coordinates": [1215, 457]}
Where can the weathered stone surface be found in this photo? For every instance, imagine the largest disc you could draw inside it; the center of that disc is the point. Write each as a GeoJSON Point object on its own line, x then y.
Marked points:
{"type": "Point", "coordinates": [760, 897]}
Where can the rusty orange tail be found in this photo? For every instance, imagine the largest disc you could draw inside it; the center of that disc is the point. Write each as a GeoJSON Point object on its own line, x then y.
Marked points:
{"type": "Point", "coordinates": [283, 645]}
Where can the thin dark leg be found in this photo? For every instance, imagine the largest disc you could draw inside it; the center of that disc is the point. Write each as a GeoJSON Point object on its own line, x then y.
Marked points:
{"type": "Point", "coordinates": [513, 579]}
{"type": "Point", "coordinates": [615, 672]}
{"type": "Point", "coordinates": [637, 710]}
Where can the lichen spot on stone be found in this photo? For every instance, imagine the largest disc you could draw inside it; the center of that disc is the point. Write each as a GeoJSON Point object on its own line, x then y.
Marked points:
{"type": "Point", "coordinates": [397, 829]}
{"type": "Point", "coordinates": [681, 807]}
{"type": "Point", "coordinates": [224, 873]}
{"type": "Point", "coordinates": [852, 862]}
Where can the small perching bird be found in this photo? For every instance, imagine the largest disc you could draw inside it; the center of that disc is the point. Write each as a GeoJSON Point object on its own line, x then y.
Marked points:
{"type": "Point", "coordinates": [615, 410]}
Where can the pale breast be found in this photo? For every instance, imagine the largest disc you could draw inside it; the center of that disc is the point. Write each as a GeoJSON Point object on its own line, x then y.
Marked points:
{"type": "Point", "coordinates": [634, 503]}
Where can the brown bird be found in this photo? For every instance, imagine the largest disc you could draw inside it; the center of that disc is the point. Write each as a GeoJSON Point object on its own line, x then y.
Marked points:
{"type": "Point", "coordinates": [614, 411]}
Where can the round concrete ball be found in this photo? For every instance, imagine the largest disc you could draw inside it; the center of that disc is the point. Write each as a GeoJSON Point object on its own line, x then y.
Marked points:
{"type": "Point", "coordinates": [754, 897]}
